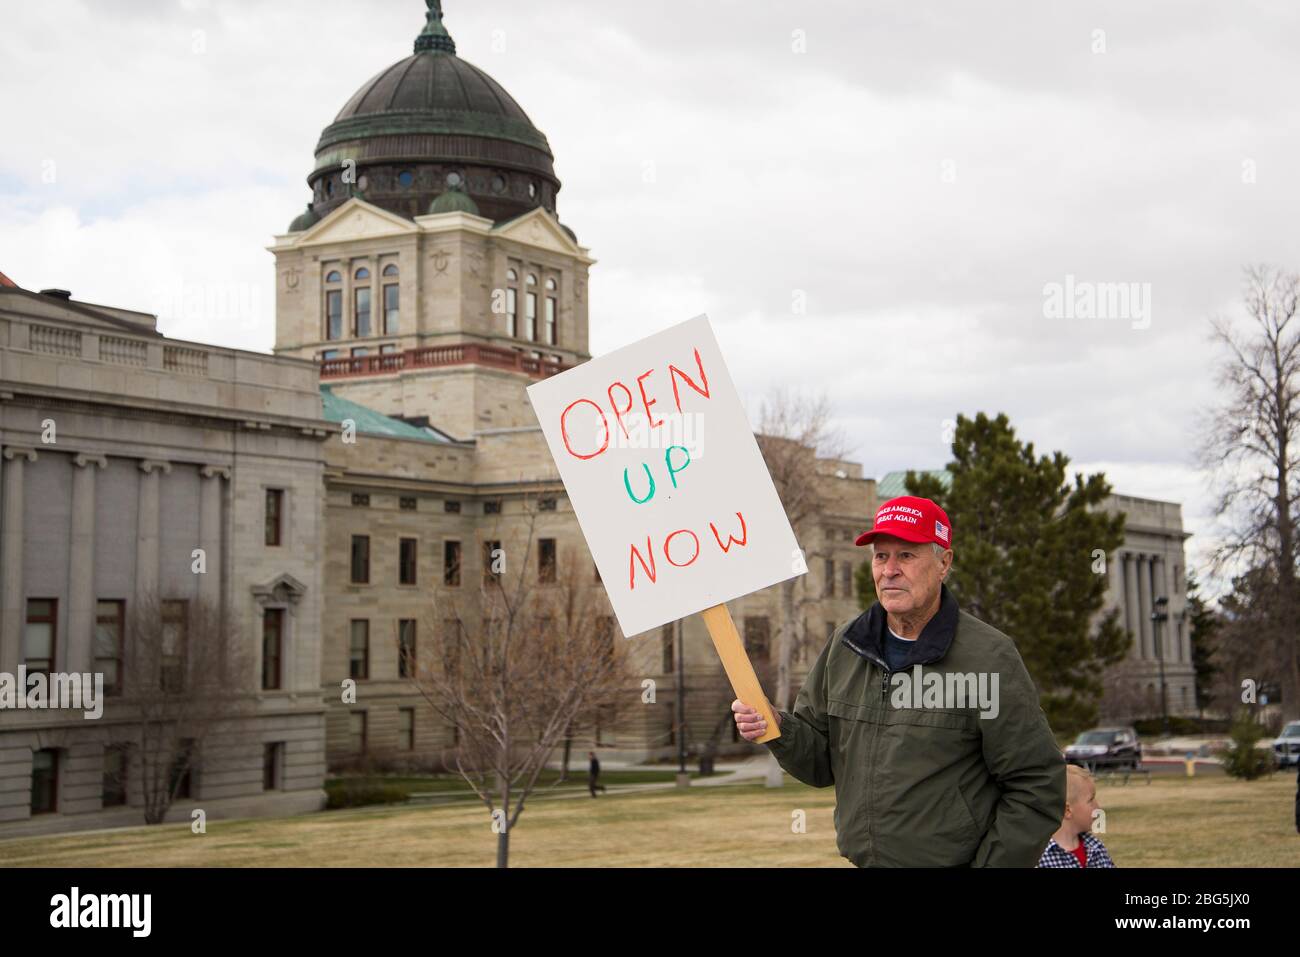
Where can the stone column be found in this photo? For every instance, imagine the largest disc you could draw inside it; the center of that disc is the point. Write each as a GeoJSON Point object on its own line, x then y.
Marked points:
{"type": "Point", "coordinates": [1144, 607]}
{"type": "Point", "coordinates": [13, 614]}
{"type": "Point", "coordinates": [81, 564]}
{"type": "Point", "coordinates": [211, 495]}
{"type": "Point", "coordinates": [146, 542]}
{"type": "Point", "coordinates": [1131, 602]}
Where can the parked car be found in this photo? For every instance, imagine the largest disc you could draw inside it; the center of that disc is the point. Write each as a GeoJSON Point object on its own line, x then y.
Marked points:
{"type": "Point", "coordinates": [1286, 746]}
{"type": "Point", "coordinates": [1106, 748]}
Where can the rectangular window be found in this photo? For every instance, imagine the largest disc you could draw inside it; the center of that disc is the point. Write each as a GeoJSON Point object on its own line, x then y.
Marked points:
{"type": "Point", "coordinates": [360, 559]}
{"type": "Point", "coordinates": [550, 320]}
{"type": "Point", "coordinates": [272, 765]}
{"type": "Point", "coordinates": [330, 354]}
{"type": "Point", "coordinates": [406, 728]}
{"type": "Point", "coordinates": [274, 509]}
{"type": "Point", "coordinates": [114, 783]}
{"type": "Point", "coordinates": [357, 731]}
{"type": "Point", "coordinates": [272, 647]}
{"type": "Point", "coordinates": [361, 310]}
{"type": "Point", "coordinates": [45, 781]}
{"type": "Point", "coordinates": [512, 313]}
{"type": "Point", "coordinates": [38, 640]}
{"type": "Point", "coordinates": [390, 309]}
{"type": "Point", "coordinates": [407, 503]}
{"type": "Point", "coordinates": [491, 550]}
{"type": "Point", "coordinates": [530, 315]}
{"type": "Point", "coordinates": [406, 648]}
{"type": "Point", "coordinates": [182, 772]}
{"type": "Point", "coordinates": [110, 619]}
{"type": "Point", "coordinates": [175, 621]}
{"type": "Point", "coordinates": [546, 560]}
{"type": "Point", "coordinates": [667, 640]}
{"type": "Point", "coordinates": [846, 580]}
{"type": "Point", "coordinates": [361, 498]}
{"type": "Point", "coordinates": [407, 548]}
{"type": "Point", "coordinates": [388, 349]}
{"type": "Point", "coordinates": [451, 563]}
{"type": "Point", "coordinates": [757, 636]}
{"type": "Point", "coordinates": [828, 579]}
{"type": "Point", "coordinates": [334, 314]}
{"type": "Point", "coordinates": [359, 649]}
{"type": "Point", "coordinates": [360, 351]}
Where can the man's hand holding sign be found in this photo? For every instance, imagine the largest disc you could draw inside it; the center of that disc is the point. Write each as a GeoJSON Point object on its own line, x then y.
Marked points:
{"type": "Point", "coordinates": [670, 489]}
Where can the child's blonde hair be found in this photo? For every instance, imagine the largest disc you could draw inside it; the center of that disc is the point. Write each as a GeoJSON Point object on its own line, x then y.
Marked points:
{"type": "Point", "coordinates": [1077, 784]}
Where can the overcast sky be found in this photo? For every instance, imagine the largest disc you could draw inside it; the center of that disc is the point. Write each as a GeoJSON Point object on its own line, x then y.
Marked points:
{"type": "Point", "coordinates": [867, 199]}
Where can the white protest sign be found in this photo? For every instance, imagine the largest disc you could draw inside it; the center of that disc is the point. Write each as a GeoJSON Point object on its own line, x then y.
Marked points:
{"type": "Point", "coordinates": [665, 476]}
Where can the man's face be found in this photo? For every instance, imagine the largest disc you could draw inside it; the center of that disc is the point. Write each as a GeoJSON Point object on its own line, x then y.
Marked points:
{"type": "Point", "coordinates": [907, 575]}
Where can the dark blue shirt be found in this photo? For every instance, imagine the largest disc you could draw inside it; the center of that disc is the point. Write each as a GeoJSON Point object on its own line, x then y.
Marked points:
{"type": "Point", "coordinates": [896, 650]}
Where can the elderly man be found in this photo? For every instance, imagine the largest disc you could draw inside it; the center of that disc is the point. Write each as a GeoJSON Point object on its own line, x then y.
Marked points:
{"type": "Point", "coordinates": [923, 718]}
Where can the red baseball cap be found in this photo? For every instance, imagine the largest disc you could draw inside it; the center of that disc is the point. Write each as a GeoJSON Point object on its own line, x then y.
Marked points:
{"type": "Point", "coordinates": [912, 519]}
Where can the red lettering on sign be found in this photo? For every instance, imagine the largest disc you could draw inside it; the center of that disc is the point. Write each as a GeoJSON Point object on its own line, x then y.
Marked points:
{"type": "Point", "coordinates": [674, 372]}
{"type": "Point", "coordinates": [668, 541]}
{"type": "Point", "coordinates": [564, 432]}
{"type": "Point", "coordinates": [618, 413]}
{"type": "Point", "coordinates": [636, 557]}
{"type": "Point", "coordinates": [730, 539]}
{"type": "Point", "coordinates": [647, 402]}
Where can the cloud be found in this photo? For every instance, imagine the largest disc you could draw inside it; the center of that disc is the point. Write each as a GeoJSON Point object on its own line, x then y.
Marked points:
{"type": "Point", "coordinates": [867, 198]}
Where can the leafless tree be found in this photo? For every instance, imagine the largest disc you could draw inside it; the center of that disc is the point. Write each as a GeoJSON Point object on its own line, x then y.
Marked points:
{"type": "Point", "coordinates": [187, 678]}
{"type": "Point", "coordinates": [529, 653]}
{"type": "Point", "coordinates": [799, 446]}
{"type": "Point", "coordinates": [1251, 447]}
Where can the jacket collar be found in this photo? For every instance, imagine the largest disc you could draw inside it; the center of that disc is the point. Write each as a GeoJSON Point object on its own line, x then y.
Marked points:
{"type": "Point", "coordinates": [866, 635]}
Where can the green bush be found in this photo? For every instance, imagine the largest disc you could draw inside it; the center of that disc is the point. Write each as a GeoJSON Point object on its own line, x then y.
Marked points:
{"type": "Point", "coordinates": [362, 793]}
{"type": "Point", "coordinates": [1244, 760]}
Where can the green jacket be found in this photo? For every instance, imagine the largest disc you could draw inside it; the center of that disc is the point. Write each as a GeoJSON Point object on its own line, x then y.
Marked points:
{"type": "Point", "coordinates": [930, 786]}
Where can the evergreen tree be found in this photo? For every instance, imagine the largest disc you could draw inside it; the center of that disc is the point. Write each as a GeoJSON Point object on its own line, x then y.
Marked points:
{"type": "Point", "coordinates": [1204, 624]}
{"type": "Point", "coordinates": [1031, 560]}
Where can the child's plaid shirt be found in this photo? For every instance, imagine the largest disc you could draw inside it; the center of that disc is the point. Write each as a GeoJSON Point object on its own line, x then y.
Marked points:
{"type": "Point", "coordinates": [1056, 856]}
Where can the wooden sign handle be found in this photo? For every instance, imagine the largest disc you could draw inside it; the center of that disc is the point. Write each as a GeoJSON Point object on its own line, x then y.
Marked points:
{"type": "Point", "coordinates": [739, 670]}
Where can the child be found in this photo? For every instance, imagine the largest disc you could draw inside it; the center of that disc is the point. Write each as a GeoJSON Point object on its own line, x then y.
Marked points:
{"type": "Point", "coordinates": [1073, 844]}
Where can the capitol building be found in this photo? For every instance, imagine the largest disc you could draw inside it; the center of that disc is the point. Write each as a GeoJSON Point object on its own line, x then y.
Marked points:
{"type": "Point", "coordinates": [326, 495]}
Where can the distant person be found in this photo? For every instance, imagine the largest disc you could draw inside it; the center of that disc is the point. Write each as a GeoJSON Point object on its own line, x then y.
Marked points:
{"type": "Point", "coordinates": [948, 783]}
{"type": "Point", "coordinates": [593, 772]}
{"type": "Point", "coordinates": [1074, 844]}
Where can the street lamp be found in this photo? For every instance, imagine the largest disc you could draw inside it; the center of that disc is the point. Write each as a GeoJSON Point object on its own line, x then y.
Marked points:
{"type": "Point", "coordinates": [1157, 616]}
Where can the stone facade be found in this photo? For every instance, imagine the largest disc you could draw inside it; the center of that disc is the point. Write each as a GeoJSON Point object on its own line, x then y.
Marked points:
{"type": "Point", "coordinates": [123, 452]}
{"type": "Point", "coordinates": [1150, 564]}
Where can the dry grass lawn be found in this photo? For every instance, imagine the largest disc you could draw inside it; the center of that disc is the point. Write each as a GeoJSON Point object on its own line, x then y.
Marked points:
{"type": "Point", "coordinates": [1203, 822]}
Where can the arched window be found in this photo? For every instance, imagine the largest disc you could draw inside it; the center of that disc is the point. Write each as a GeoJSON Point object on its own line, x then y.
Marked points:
{"type": "Point", "coordinates": [334, 276]}
{"type": "Point", "coordinates": [390, 270]}
{"type": "Point", "coordinates": [512, 275]}
{"type": "Point", "coordinates": [362, 273]}
{"type": "Point", "coordinates": [550, 285]}
{"type": "Point", "coordinates": [406, 178]}
{"type": "Point", "coordinates": [532, 280]}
